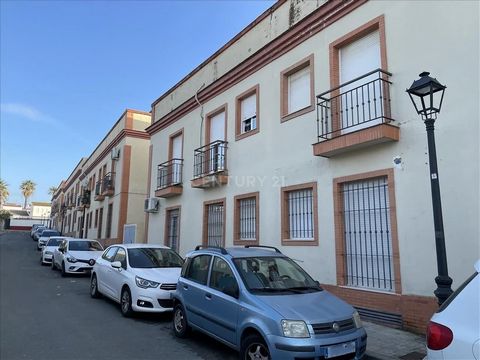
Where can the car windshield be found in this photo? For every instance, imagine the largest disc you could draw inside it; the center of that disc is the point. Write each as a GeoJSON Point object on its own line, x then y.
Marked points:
{"type": "Point", "coordinates": [84, 246]}
{"type": "Point", "coordinates": [54, 242]}
{"type": "Point", "coordinates": [146, 258]}
{"type": "Point", "coordinates": [48, 233]}
{"type": "Point", "coordinates": [275, 275]}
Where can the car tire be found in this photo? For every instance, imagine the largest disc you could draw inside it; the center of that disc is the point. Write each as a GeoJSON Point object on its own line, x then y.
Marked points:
{"type": "Point", "coordinates": [180, 323]}
{"type": "Point", "coordinates": [54, 267]}
{"type": "Point", "coordinates": [41, 260]}
{"type": "Point", "coordinates": [126, 302]}
{"type": "Point", "coordinates": [94, 287]}
{"type": "Point", "coordinates": [64, 273]}
{"type": "Point", "coordinates": [254, 347]}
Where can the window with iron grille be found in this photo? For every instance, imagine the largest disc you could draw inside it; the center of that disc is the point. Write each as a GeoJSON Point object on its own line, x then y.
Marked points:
{"type": "Point", "coordinates": [298, 214]}
{"type": "Point", "coordinates": [173, 229]}
{"type": "Point", "coordinates": [368, 236]}
{"type": "Point", "coordinates": [246, 219]}
{"type": "Point", "coordinates": [215, 223]}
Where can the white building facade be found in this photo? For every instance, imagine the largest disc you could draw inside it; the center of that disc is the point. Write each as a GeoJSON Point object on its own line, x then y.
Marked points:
{"type": "Point", "coordinates": [298, 134]}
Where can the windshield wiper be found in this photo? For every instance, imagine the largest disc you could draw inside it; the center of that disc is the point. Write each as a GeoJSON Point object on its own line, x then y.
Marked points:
{"type": "Point", "coordinates": [303, 288]}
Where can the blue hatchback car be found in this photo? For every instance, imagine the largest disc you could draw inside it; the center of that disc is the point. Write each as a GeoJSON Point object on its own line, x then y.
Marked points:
{"type": "Point", "coordinates": [263, 304]}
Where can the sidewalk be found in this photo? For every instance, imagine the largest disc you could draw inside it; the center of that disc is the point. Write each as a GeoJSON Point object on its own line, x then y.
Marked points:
{"type": "Point", "coordinates": [386, 343]}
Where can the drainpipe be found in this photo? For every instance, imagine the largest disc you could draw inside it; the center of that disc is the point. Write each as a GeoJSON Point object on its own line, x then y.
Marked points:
{"type": "Point", "coordinates": [201, 112]}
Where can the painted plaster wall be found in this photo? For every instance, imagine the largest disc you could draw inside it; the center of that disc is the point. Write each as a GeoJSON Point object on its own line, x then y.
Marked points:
{"type": "Point", "coordinates": [281, 153]}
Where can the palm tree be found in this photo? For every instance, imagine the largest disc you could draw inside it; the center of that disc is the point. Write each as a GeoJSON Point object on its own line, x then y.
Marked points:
{"type": "Point", "coordinates": [52, 190]}
{"type": "Point", "coordinates": [27, 188]}
{"type": "Point", "coordinates": [3, 192]}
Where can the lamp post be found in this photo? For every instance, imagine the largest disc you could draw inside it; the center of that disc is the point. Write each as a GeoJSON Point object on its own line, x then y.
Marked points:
{"type": "Point", "coordinates": [426, 94]}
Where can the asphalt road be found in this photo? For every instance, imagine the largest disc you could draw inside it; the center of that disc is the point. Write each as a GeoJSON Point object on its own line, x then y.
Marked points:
{"type": "Point", "coordinates": [45, 316]}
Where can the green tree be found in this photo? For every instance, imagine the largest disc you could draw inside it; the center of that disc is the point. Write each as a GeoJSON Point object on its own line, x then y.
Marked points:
{"type": "Point", "coordinates": [4, 193]}
{"type": "Point", "coordinates": [52, 190]}
{"type": "Point", "coordinates": [27, 188]}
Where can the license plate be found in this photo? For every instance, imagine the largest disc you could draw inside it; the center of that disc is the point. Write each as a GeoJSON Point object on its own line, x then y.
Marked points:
{"type": "Point", "coordinates": [340, 349]}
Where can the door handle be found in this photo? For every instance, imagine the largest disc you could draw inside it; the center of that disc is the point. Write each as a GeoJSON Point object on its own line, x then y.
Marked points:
{"type": "Point", "coordinates": [185, 287]}
{"type": "Point", "coordinates": [208, 296]}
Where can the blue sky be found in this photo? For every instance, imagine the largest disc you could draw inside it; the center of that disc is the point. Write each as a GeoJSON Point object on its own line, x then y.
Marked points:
{"type": "Point", "coordinates": [68, 69]}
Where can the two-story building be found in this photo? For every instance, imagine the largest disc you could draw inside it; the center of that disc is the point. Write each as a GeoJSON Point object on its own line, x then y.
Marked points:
{"type": "Point", "coordinates": [104, 195]}
{"type": "Point", "coordinates": [298, 134]}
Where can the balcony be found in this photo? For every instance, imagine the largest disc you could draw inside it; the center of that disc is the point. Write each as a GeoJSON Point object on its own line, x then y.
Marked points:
{"type": "Point", "coordinates": [169, 178]}
{"type": "Point", "coordinates": [354, 115]}
{"type": "Point", "coordinates": [108, 184]}
{"type": "Point", "coordinates": [98, 191]}
{"type": "Point", "coordinates": [83, 201]}
{"type": "Point", "coordinates": [210, 165]}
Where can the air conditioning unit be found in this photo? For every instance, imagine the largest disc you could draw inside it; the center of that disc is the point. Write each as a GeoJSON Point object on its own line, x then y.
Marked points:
{"type": "Point", "coordinates": [151, 205]}
{"type": "Point", "coordinates": [115, 154]}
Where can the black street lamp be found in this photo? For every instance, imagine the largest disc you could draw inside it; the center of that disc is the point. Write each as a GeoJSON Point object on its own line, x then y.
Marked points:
{"type": "Point", "coordinates": [426, 94]}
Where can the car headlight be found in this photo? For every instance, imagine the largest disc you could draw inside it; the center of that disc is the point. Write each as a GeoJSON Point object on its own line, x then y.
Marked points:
{"type": "Point", "coordinates": [144, 283]}
{"type": "Point", "coordinates": [357, 320]}
{"type": "Point", "coordinates": [295, 329]}
{"type": "Point", "coordinates": [48, 253]}
{"type": "Point", "coordinates": [71, 259]}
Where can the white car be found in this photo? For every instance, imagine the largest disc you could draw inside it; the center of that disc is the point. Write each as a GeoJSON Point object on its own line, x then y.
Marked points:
{"type": "Point", "coordinates": [454, 330]}
{"type": "Point", "coordinates": [46, 234]}
{"type": "Point", "coordinates": [35, 227]}
{"type": "Point", "coordinates": [140, 277]}
{"type": "Point", "coordinates": [47, 251]}
{"type": "Point", "coordinates": [76, 256]}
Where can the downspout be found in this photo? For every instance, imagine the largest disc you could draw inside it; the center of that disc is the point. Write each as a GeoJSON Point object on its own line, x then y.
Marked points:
{"type": "Point", "coordinates": [201, 112]}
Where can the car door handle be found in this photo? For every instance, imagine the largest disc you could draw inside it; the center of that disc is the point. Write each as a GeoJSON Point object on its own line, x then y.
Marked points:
{"type": "Point", "coordinates": [185, 287]}
{"type": "Point", "coordinates": [208, 296]}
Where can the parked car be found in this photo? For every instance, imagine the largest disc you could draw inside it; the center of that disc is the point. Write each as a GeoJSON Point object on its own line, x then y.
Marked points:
{"type": "Point", "coordinates": [37, 232]}
{"type": "Point", "coordinates": [454, 330]}
{"type": "Point", "coordinates": [47, 251]}
{"type": "Point", "coordinates": [76, 256]}
{"type": "Point", "coordinates": [141, 277]}
{"type": "Point", "coordinates": [263, 304]}
{"type": "Point", "coordinates": [46, 234]}
{"type": "Point", "coordinates": [35, 227]}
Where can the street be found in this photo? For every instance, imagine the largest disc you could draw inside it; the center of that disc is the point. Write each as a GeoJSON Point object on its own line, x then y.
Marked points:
{"type": "Point", "coordinates": [45, 316]}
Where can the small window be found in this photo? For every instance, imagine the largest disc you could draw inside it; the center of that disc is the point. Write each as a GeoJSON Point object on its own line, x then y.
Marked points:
{"type": "Point", "coordinates": [299, 215]}
{"type": "Point", "coordinates": [122, 257]}
{"type": "Point", "coordinates": [222, 277]}
{"type": "Point", "coordinates": [198, 269]}
{"type": "Point", "coordinates": [246, 219]}
{"type": "Point", "coordinates": [247, 119]}
{"type": "Point", "coordinates": [297, 95]}
{"type": "Point", "coordinates": [110, 253]}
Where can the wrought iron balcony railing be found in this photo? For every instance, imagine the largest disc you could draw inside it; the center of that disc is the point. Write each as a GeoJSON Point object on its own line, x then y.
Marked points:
{"type": "Point", "coordinates": [169, 173]}
{"type": "Point", "coordinates": [98, 188]}
{"type": "Point", "coordinates": [357, 104]}
{"type": "Point", "coordinates": [108, 183]}
{"type": "Point", "coordinates": [210, 159]}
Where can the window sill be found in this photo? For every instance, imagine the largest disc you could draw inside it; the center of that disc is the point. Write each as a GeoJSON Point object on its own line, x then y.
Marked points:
{"type": "Point", "coordinates": [238, 242]}
{"type": "Point", "coordinates": [246, 134]}
{"type": "Point", "coordinates": [384, 292]}
{"type": "Point", "coordinates": [300, 242]}
{"type": "Point", "coordinates": [297, 113]}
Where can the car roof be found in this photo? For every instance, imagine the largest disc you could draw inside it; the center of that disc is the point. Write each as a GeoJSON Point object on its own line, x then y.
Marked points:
{"type": "Point", "coordinates": [239, 252]}
{"type": "Point", "coordinates": [477, 265]}
{"type": "Point", "coordinates": [80, 239]}
{"type": "Point", "coordinates": [142, 246]}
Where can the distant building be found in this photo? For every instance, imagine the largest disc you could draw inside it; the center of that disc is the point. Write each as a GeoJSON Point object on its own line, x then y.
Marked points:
{"type": "Point", "coordinates": [40, 210]}
{"type": "Point", "coordinates": [16, 210]}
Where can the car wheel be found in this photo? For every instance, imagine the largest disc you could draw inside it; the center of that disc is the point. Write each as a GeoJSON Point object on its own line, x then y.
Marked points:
{"type": "Point", "coordinates": [41, 260]}
{"type": "Point", "coordinates": [126, 303]}
{"type": "Point", "coordinates": [54, 267]}
{"type": "Point", "coordinates": [64, 273]}
{"type": "Point", "coordinates": [180, 324]}
{"type": "Point", "coordinates": [94, 287]}
{"type": "Point", "coordinates": [254, 347]}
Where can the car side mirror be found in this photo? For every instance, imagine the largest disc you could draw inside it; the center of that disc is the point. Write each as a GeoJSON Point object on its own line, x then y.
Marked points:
{"type": "Point", "coordinates": [232, 290]}
{"type": "Point", "coordinates": [116, 264]}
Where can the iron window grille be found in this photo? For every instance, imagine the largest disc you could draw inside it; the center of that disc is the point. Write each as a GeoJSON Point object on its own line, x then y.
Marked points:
{"type": "Point", "coordinates": [356, 104]}
{"type": "Point", "coordinates": [173, 229]}
{"type": "Point", "coordinates": [248, 219]}
{"type": "Point", "coordinates": [215, 224]}
{"type": "Point", "coordinates": [108, 183]}
{"type": "Point", "coordinates": [300, 214]}
{"type": "Point", "coordinates": [368, 237]}
{"type": "Point", "coordinates": [169, 173]}
{"type": "Point", "coordinates": [210, 159]}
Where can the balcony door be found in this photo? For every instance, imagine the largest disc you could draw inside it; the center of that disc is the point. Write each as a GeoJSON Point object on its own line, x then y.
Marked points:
{"type": "Point", "coordinates": [360, 104]}
{"type": "Point", "coordinates": [215, 153]}
{"type": "Point", "coordinates": [176, 144]}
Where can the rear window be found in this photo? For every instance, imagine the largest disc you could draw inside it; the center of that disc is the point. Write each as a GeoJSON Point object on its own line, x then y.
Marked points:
{"type": "Point", "coordinates": [456, 292]}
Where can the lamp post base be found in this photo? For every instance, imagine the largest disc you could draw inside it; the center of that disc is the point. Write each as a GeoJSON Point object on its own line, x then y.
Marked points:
{"type": "Point", "coordinates": [444, 289]}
